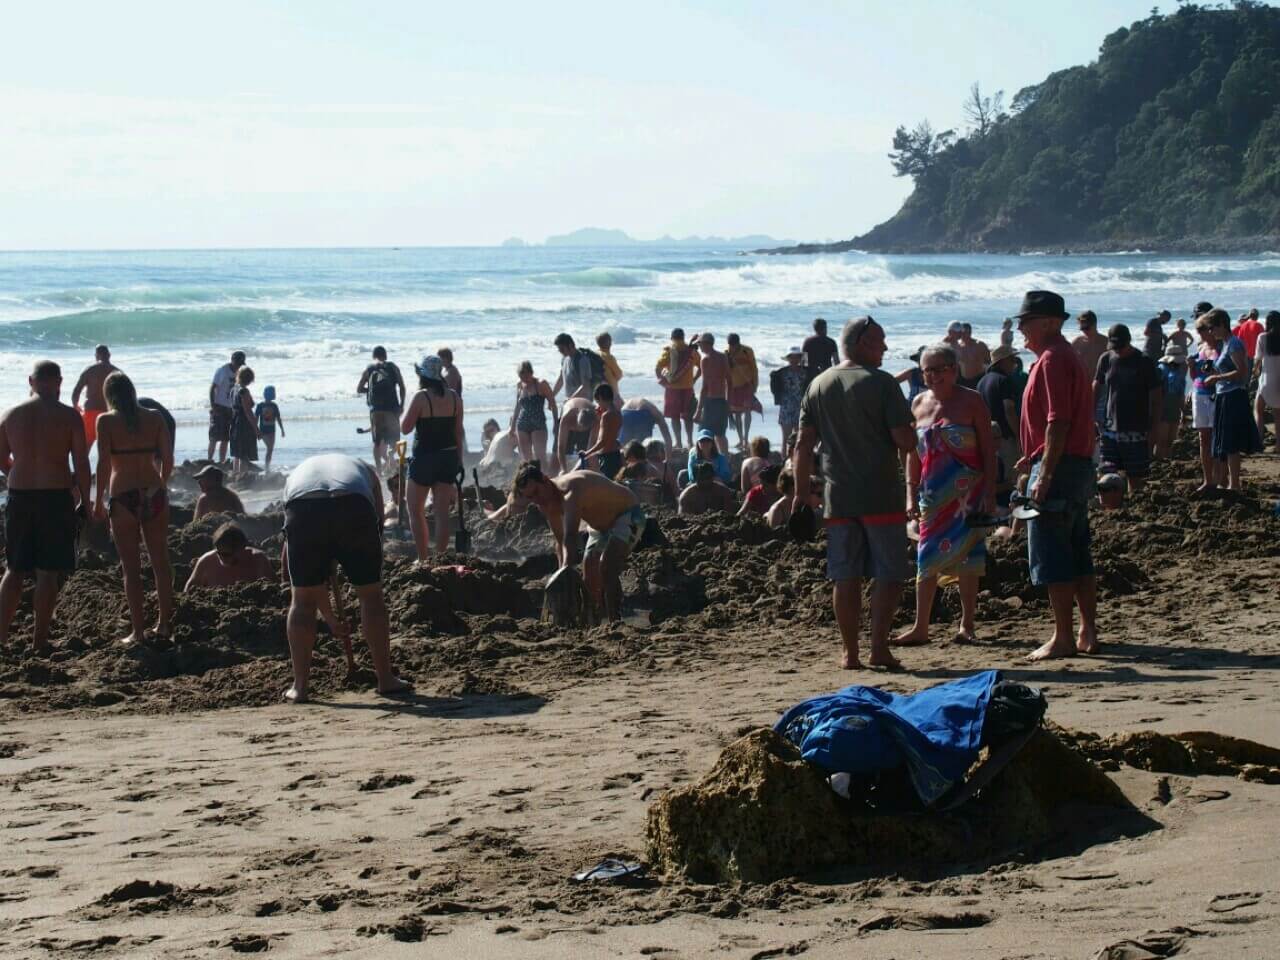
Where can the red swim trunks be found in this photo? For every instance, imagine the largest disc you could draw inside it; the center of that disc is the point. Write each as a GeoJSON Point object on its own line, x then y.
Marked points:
{"type": "Point", "coordinates": [678, 403]}
{"type": "Point", "coordinates": [90, 418]}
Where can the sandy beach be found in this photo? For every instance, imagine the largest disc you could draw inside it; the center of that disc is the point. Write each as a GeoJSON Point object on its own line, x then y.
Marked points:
{"type": "Point", "coordinates": [163, 803]}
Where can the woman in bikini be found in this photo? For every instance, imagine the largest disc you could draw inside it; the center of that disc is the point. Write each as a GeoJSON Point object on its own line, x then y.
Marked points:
{"type": "Point", "coordinates": [135, 458]}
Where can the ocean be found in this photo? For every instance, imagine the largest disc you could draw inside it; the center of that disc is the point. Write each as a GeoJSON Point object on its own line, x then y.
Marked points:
{"type": "Point", "coordinates": [308, 318]}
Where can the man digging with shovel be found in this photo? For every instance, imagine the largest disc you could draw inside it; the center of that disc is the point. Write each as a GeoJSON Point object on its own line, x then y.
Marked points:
{"type": "Point", "coordinates": [614, 516]}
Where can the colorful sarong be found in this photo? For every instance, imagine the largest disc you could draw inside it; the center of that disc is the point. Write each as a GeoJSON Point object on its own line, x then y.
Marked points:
{"type": "Point", "coordinates": [950, 489]}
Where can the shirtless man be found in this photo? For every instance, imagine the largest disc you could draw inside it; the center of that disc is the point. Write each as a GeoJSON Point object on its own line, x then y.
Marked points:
{"type": "Point", "coordinates": [606, 454]}
{"type": "Point", "coordinates": [36, 438]}
{"type": "Point", "coordinates": [90, 383]}
{"type": "Point", "coordinates": [231, 561]}
{"type": "Point", "coordinates": [972, 356]}
{"type": "Point", "coordinates": [706, 494]}
{"type": "Point", "coordinates": [577, 424]}
{"type": "Point", "coordinates": [1089, 347]}
{"type": "Point", "coordinates": [611, 511]}
{"type": "Point", "coordinates": [214, 497]}
{"type": "Point", "coordinates": [452, 380]}
{"type": "Point", "coordinates": [713, 401]}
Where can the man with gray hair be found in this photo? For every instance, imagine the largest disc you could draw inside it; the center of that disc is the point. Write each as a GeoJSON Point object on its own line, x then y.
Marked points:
{"type": "Point", "coordinates": [864, 423]}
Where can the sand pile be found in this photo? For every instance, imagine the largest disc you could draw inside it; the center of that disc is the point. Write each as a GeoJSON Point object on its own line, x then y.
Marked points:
{"type": "Point", "coordinates": [1193, 753]}
{"type": "Point", "coordinates": [762, 813]}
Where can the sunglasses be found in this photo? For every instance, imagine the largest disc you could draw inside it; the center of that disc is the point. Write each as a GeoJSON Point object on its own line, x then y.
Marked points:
{"type": "Point", "coordinates": [942, 369]}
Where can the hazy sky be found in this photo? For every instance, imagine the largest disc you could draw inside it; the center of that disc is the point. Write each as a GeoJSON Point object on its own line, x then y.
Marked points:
{"type": "Point", "coordinates": [398, 122]}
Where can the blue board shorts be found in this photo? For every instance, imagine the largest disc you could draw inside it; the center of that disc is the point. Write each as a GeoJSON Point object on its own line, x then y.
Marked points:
{"type": "Point", "coordinates": [715, 416]}
{"type": "Point", "coordinates": [1059, 541]}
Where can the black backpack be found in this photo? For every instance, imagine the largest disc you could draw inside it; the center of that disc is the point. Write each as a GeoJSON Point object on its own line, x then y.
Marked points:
{"type": "Point", "coordinates": [597, 365]}
{"type": "Point", "coordinates": [776, 386]}
{"type": "Point", "coordinates": [382, 388]}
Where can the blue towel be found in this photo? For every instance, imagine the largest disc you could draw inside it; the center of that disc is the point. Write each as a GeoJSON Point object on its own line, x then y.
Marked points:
{"type": "Point", "coordinates": [936, 733]}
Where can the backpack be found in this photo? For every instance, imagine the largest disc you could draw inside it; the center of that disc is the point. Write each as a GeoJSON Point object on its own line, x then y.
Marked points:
{"type": "Point", "coordinates": [776, 386]}
{"type": "Point", "coordinates": [597, 366]}
{"type": "Point", "coordinates": [382, 389]}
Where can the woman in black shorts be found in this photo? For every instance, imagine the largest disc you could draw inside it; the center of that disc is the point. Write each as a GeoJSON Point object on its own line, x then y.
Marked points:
{"type": "Point", "coordinates": [435, 419]}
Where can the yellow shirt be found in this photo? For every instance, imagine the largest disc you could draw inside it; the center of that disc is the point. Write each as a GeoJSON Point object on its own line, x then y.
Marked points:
{"type": "Point", "coordinates": [612, 371]}
{"type": "Point", "coordinates": [742, 367]}
{"type": "Point", "coordinates": [678, 380]}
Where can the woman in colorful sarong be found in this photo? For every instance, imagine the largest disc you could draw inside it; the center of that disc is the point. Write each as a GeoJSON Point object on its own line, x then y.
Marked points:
{"type": "Point", "coordinates": [951, 484]}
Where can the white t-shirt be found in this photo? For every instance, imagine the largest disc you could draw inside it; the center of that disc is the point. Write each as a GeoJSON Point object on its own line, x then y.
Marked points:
{"type": "Point", "coordinates": [224, 382]}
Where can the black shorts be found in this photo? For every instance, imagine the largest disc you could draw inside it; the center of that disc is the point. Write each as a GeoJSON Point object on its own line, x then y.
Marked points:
{"type": "Point", "coordinates": [320, 532]}
{"type": "Point", "coordinates": [220, 418]}
{"type": "Point", "coordinates": [40, 530]}
{"type": "Point", "coordinates": [436, 466]}
{"type": "Point", "coordinates": [611, 463]}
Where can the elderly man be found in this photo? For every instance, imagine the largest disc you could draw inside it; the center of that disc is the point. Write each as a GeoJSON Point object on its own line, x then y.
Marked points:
{"type": "Point", "coordinates": [90, 384]}
{"type": "Point", "coordinates": [611, 512]}
{"type": "Point", "coordinates": [37, 437]}
{"type": "Point", "coordinates": [333, 514]}
{"type": "Point", "coordinates": [1056, 434]}
{"type": "Point", "coordinates": [864, 423]}
{"type": "Point", "coordinates": [214, 497]}
{"type": "Point", "coordinates": [220, 411]}
{"type": "Point", "coordinates": [231, 561]}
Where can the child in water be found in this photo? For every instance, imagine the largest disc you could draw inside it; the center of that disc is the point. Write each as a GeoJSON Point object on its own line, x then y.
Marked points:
{"type": "Point", "coordinates": [268, 415]}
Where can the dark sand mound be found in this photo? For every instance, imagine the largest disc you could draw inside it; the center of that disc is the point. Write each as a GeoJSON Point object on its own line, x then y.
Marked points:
{"type": "Point", "coordinates": [762, 813]}
{"type": "Point", "coordinates": [1192, 753]}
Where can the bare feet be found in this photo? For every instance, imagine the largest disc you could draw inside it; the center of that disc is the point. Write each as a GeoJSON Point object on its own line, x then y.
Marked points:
{"type": "Point", "coordinates": [132, 639]}
{"type": "Point", "coordinates": [294, 695]}
{"type": "Point", "coordinates": [160, 631]}
{"type": "Point", "coordinates": [395, 685]}
{"type": "Point", "coordinates": [915, 637]}
{"type": "Point", "coordinates": [850, 661]}
{"type": "Point", "coordinates": [886, 660]}
{"type": "Point", "coordinates": [1087, 642]}
{"type": "Point", "coordinates": [965, 636]}
{"type": "Point", "coordinates": [1206, 487]}
{"type": "Point", "coordinates": [1052, 650]}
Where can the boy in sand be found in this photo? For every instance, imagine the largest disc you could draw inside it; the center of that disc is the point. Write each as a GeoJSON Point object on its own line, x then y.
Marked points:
{"type": "Point", "coordinates": [611, 511]}
{"type": "Point", "coordinates": [36, 439]}
{"type": "Point", "coordinates": [90, 383]}
{"type": "Point", "coordinates": [333, 510]}
{"type": "Point", "coordinates": [231, 561]}
{"type": "Point", "coordinates": [605, 454]}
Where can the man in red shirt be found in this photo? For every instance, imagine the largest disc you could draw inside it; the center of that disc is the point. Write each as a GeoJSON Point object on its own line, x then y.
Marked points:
{"type": "Point", "coordinates": [1056, 432]}
{"type": "Point", "coordinates": [1248, 330]}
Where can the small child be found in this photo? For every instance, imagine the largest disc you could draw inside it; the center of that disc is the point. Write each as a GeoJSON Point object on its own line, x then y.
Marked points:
{"type": "Point", "coordinates": [268, 415]}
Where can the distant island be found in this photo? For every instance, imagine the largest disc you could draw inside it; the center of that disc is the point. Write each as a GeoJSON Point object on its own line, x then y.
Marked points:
{"type": "Point", "coordinates": [597, 237]}
{"type": "Point", "coordinates": [514, 242]}
{"type": "Point", "coordinates": [1170, 141]}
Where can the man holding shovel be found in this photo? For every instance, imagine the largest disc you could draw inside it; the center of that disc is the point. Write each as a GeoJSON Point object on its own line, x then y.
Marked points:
{"type": "Point", "coordinates": [613, 515]}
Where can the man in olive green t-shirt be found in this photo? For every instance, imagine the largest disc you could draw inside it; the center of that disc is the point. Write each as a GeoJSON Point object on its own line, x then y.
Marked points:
{"type": "Point", "coordinates": [863, 420]}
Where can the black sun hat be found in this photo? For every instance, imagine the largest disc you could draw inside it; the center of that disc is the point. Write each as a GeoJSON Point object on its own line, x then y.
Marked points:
{"type": "Point", "coordinates": [1041, 303]}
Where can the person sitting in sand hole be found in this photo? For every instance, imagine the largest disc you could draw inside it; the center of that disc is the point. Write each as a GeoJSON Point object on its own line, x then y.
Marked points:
{"type": "Point", "coordinates": [706, 494]}
{"type": "Point", "coordinates": [951, 477]}
{"type": "Point", "coordinates": [612, 513]}
{"type": "Point", "coordinates": [332, 506]}
{"type": "Point", "coordinates": [214, 497]}
{"type": "Point", "coordinates": [231, 561]}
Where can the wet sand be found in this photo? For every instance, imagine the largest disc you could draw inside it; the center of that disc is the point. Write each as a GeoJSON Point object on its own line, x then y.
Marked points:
{"type": "Point", "coordinates": [163, 803]}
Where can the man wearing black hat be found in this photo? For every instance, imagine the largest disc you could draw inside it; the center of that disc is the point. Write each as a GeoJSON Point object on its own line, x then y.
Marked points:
{"type": "Point", "coordinates": [1056, 435]}
{"type": "Point", "coordinates": [214, 497]}
{"type": "Point", "coordinates": [1133, 396]}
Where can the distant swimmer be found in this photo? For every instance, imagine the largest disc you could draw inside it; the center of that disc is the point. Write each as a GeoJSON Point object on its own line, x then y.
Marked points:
{"type": "Point", "coordinates": [231, 561]}
{"type": "Point", "coordinates": [214, 497]}
{"type": "Point", "coordinates": [383, 387]}
{"type": "Point", "coordinates": [90, 384]}
{"type": "Point", "coordinates": [37, 437]}
{"type": "Point", "coordinates": [333, 510]}
{"type": "Point", "coordinates": [713, 400]}
{"type": "Point", "coordinates": [221, 410]}
{"type": "Point", "coordinates": [613, 514]}
{"type": "Point", "coordinates": [135, 459]}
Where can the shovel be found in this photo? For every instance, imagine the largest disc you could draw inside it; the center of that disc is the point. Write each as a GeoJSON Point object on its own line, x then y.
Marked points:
{"type": "Point", "coordinates": [475, 478]}
{"type": "Point", "coordinates": [461, 539]}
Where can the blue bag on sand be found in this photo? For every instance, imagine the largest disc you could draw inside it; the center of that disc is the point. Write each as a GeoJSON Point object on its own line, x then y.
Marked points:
{"type": "Point", "coordinates": [935, 733]}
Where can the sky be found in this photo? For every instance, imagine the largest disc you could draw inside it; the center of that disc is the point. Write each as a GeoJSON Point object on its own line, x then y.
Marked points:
{"type": "Point", "coordinates": [139, 125]}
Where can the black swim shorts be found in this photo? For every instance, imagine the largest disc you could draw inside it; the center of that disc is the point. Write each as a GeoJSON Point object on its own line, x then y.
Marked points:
{"type": "Point", "coordinates": [325, 530]}
{"type": "Point", "coordinates": [435, 466]}
{"type": "Point", "coordinates": [40, 530]}
{"type": "Point", "coordinates": [220, 418]}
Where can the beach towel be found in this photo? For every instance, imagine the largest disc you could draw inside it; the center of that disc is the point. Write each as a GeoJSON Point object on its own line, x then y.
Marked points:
{"type": "Point", "coordinates": [935, 734]}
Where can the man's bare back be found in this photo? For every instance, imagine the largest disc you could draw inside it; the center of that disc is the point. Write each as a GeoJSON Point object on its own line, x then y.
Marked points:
{"type": "Point", "coordinates": [600, 501]}
{"type": "Point", "coordinates": [972, 358]}
{"type": "Point", "coordinates": [715, 374]}
{"type": "Point", "coordinates": [218, 500]}
{"type": "Point", "coordinates": [210, 571]}
{"type": "Point", "coordinates": [40, 434]}
{"type": "Point", "coordinates": [715, 496]}
{"type": "Point", "coordinates": [90, 383]}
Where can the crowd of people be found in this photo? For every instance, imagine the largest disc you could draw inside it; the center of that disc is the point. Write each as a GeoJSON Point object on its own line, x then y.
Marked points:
{"type": "Point", "coordinates": [975, 447]}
